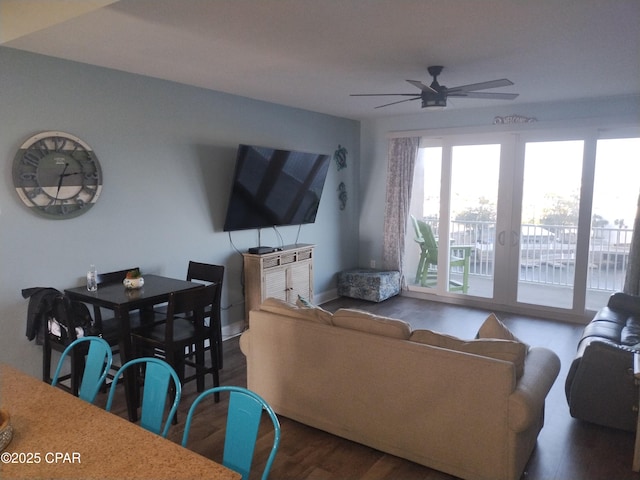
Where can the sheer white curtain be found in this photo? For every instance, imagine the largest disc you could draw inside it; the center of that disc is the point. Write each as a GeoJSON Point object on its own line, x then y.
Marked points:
{"type": "Point", "coordinates": [403, 153]}
{"type": "Point", "coordinates": [632, 277]}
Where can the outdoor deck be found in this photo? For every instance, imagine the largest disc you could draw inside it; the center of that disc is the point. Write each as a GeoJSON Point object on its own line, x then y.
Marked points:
{"type": "Point", "coordinates": [547, 262]}
{"type": "Point", "coordinates": [535, 293]}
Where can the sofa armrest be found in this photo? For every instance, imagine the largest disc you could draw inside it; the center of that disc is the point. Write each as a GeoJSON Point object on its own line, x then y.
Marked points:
{"type": "Point", "coordinates": [525, 403]}
{"type": "Point", "coordinates": [601, 387]}
{"type": "Point", "coordinates": [244, 342]}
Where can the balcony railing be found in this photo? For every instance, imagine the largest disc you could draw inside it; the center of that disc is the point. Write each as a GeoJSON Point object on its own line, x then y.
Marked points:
{"type": "Point", "coordinates": [547, 252]}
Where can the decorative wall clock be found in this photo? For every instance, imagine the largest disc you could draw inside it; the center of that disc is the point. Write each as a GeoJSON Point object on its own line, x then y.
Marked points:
{"type": "Point", "coordinates": [57, 175]}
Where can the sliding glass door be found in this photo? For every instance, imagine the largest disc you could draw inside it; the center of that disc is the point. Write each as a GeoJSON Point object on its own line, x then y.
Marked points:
{"type": "Point", "coordinates": [550, 209]}
{"type": "Point", "coordinates": [524, 219]}
{"type": "Point", "coordinates": [615, 198]}
{"type": "Point", "coordinates": [455, 200]}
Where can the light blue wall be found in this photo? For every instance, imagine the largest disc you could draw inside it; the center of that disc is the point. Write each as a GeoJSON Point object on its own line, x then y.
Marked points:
{"type": "Point", "coordinates": [167, 152]}
{"type": "Point", "coordinates": [604, 112]}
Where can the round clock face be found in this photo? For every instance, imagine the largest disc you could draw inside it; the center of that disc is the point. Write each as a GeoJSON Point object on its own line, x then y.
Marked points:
{"type": "Point", "coordinates": [57, 175]}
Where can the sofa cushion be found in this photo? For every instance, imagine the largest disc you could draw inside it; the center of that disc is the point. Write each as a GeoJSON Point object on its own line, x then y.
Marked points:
{"type": "Point", "coordinates": [500, 349]}
{"type": "Point", "coordinates": [313, 314]}
{"type": "Point", "coordinates": [370, 323]}
{"type": "Point", "coordinates": [630, 334]}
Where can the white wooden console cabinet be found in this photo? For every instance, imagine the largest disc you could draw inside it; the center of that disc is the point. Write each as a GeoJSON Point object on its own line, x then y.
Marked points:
{"type": "Point", "coordinates": [283, 274]}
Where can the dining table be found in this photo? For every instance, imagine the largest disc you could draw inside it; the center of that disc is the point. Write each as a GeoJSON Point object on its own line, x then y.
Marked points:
{"type": "Point", "coordinates": [58, 435]}
{"type": "Point", "coordinates": [114, 296]}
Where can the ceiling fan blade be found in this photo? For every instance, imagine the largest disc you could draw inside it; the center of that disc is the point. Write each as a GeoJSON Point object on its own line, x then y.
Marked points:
{"type": "Point", "coordinates": [503, 82]}
{"type": "Point", "coordinates": [385, 95]}
{"type": "Point", "coordinates": [399, 101]}
{"type": "Point", "coordinates": [422, 86]}
{"type": "Point", "coordinates": [494, 96]}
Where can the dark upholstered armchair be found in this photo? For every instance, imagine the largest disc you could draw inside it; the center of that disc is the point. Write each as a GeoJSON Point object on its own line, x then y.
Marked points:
{"type": "Point", "coordinates": [600, 386]}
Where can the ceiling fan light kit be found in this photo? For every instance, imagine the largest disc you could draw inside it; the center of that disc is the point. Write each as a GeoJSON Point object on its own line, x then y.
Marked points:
{"type": "Point", "coordinates": [436, 100]}
{"type": "Point", "coordinates": [435, 95]}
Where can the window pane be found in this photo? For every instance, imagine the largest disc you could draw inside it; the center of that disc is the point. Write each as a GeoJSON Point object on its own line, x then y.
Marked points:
{"type": "Point", "coordinates": [550, 206]}
{"type": "Point", "coordinates": [474, 198]}
{"type": "Point", "coordinates": [425, 209]}
{"type": "Point", "coordinates": [615, 200]}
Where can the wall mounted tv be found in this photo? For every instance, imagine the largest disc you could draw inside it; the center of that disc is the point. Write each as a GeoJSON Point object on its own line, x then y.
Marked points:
{"type": "Point", "coordinates": [273, 187]}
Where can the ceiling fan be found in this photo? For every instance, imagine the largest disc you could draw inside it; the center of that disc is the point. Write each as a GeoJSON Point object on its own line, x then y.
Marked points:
{"type": "Point", "coordinates": [435, 95]}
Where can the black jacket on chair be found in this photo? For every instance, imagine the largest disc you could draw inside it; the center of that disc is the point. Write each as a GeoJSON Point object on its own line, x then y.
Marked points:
{"type": "Point", "coordinates": [41, 300]}
{"type": "Point", "coordinates": [73, 318]}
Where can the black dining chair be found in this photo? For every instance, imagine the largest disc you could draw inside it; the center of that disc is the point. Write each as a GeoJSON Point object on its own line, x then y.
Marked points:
{"type": "Point", "coordinates": [214, 274]}
{"type": "Point", "coordinates": [108, 327]}
{"type": "Point", "coordinates": [180, 338]}
{"type": "Point", "coordinates": [208, 273]}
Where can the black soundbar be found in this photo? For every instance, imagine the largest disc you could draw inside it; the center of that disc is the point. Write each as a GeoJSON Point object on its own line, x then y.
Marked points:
{"type": "Point", "coordinates": [263, 250]}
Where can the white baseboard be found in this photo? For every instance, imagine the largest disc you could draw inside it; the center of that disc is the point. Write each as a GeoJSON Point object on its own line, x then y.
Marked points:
{"type": "Point", "coordinates": [326, 296]}
{"type": "Point", "coordinates": [232, 330]}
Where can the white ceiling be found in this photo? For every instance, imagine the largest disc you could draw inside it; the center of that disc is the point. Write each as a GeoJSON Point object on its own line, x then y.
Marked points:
{"type": "Point", "coordinates": [312, 54]}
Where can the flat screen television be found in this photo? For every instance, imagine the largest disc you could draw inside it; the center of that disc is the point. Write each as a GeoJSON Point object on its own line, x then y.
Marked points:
{"type": "Point", "coordinates": [273, 187]}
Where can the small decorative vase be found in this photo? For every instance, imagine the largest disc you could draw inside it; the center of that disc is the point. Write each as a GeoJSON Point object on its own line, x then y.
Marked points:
{"type": "Point", "coordinates": [133, 283]}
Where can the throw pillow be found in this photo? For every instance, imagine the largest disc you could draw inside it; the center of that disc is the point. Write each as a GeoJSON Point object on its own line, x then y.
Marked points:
{"type": "Point", "coordinates": [370, 323]}
{"type": "Point", "coordinates": [322, 315]}
{"type": "Point", "coordinates": [507, 350]}
{"type": "Point", "coordinates": [494, 328]}
{"type": "Point", "coordinates": [280, 307]}
{"type": "Point", "coordinates": [304, 302]}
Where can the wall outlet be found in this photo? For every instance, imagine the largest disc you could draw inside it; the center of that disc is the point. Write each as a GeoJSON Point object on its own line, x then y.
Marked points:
{"type": "Point", "coordinates": [372, 263]}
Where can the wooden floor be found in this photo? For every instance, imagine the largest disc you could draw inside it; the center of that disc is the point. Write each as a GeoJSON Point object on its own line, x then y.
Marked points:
{"type": "Point", "coordinates": [567, 448]}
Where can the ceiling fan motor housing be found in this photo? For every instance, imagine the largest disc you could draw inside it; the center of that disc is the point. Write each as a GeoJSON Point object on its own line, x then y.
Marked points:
{"type": "Point", "coordinates": [438, 100]}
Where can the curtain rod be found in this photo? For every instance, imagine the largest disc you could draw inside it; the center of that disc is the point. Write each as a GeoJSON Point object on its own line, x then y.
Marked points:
{"type": "Point", "coordinates": [602, 124]}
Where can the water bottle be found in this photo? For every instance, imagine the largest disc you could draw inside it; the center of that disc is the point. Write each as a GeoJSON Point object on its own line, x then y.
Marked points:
{"type": "Point", "coordinates": [92, 279]}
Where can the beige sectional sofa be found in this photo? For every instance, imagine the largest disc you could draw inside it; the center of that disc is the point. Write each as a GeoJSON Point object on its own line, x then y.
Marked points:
{"type": "Point", "coordinates": [472, 408]}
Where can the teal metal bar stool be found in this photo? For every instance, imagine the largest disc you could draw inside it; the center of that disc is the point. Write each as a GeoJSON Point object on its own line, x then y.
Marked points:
{"type": "Point", "coordinates": [158, 376]}
{"type": "Point", "coordinates": [243, 420]}
{"type": "Point", "coordinates": [96, 366]}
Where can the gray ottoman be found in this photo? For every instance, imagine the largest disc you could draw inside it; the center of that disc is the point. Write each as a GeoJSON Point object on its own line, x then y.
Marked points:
{"type": "Point", "coordinates": [366, 284]}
